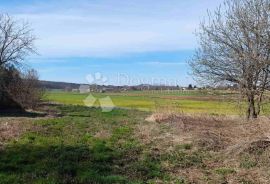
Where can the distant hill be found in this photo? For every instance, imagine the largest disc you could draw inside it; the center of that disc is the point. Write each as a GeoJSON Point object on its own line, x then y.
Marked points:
{"type": "Point", "coordinates": [50, 85]}
{"type": "Point", "coordinates": [58, 85]}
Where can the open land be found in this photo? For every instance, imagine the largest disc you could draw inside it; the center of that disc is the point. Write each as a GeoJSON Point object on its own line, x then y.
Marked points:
{"type": "Point", "coordinates": [149, 138]}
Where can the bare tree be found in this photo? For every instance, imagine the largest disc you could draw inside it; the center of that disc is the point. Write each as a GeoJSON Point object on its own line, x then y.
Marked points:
{"type": "Point", "coordinates": [16, 41]}
{"type": "Point", "coordinates": [235, 49]}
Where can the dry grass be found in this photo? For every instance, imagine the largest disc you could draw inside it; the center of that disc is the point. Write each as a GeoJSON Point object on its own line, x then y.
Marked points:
{"type": "Point", "coordinates": [103, 134]}
{"type": "Point", "coordinates": [216, 132]}
{"type": "Point", "coordinates": [239, 149]}
{"type": "Point", "coordinates": [12, 128]}
{"type": "Point", "coordinates": [13, 125]}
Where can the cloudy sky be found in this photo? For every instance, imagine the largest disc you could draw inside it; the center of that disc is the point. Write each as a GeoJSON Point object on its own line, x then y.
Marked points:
{"type": "Point", "coordinates": [129, 42]}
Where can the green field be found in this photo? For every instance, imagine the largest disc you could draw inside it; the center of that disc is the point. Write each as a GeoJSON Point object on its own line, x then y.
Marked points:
{"type": "Point", "coordinates": [63, 144]}
{"type": "Point", "coordinates": [211, 102]}
{"type": "Point", "coordinates": [81, 145]}
{"type": "Point", "coordinates": [85, 146]}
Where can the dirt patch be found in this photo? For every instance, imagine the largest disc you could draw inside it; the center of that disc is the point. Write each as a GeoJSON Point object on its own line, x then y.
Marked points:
{"type": "Point", "coordinates": [258, 146]}
{"type": "Point", "coordinates": [49, 109]}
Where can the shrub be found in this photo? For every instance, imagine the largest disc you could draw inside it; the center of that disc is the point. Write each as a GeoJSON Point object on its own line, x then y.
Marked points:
{"type": "Point", "coordinates": [20, 87]}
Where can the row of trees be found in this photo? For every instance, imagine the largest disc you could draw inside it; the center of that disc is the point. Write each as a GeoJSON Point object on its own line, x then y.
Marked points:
{"type": "Point", "coordinates": [18, 85]}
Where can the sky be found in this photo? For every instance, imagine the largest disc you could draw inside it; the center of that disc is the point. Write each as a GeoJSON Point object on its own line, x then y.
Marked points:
{"type": "Point", "coordinates": [126, 42]}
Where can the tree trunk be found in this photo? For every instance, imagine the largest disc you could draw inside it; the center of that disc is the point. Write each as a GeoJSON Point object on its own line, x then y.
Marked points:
{"type": "Point", "coordinates": [260, 101]}
{"type": "Point", "coordinates": [251, 112]}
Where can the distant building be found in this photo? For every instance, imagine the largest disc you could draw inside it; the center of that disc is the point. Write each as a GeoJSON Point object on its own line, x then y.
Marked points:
{"type": "Point", "coordinates": [84, 89]}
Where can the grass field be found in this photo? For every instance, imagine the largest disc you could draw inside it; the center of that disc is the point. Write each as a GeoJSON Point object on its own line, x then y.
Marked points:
{"type": "Point", "coordinates": [83, 146]}
{"type": "Point", "coordinates": [80, 145]}
{"type": "Point", "coordinates": [210, 102]}
{"type": "Point", "coordinates": [69, 143]}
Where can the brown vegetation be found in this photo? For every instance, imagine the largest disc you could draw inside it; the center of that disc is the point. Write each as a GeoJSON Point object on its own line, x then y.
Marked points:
{"type": "Point", "coordinates": [18, 87]}
{"type": "Point", "coordinates": [233, 150]}
{"type": "Point", "coordinates": [12, 128]}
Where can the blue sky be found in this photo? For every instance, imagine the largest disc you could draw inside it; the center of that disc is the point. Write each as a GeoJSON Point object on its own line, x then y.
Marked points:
{"type": "Point", "coordinates": [130, 42]}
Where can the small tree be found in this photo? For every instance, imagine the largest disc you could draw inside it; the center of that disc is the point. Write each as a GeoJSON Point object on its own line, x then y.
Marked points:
{"type": "Point", "coordinates": [235, 49]}
{"type": "Point", "coordinates": [16, 42]}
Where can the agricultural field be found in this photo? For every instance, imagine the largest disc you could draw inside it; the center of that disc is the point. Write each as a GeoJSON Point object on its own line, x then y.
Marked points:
{"type": "Point", "coordinates": [75, 144]}
{"type": "Point", "coordinates": [205, 102]}
{"type": "Point", "coordinates": [152, 138]}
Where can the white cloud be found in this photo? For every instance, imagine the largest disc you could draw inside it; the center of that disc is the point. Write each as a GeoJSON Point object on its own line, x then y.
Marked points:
{"type": "Point", "coordinates": [111, 27]}
{"type": "Point", "coordinates": [162, 64]}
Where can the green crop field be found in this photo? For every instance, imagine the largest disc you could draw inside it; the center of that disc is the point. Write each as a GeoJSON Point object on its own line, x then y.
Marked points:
{"type": "Point", "coordinates": [211, 102]}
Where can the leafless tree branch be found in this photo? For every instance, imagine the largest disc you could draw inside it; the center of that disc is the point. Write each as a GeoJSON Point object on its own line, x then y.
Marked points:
{"type": "Point", "coordinates": [235, 48]}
